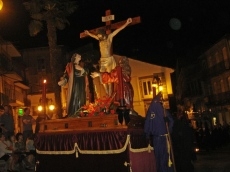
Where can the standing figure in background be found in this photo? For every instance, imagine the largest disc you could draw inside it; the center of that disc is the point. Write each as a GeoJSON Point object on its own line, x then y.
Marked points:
{"type": "Point", "coordinates": [27, 121]}
{"type": "Point", "coordinates": [76, 76]}
{"type": "Point", "coordinates": [156, 122]}
{"type": "Point", "coordinates": [183, 144]}
{"type": "Point", "coordinates": [107, 61]}
{"type": "Point", "coordinates": [8, 122]}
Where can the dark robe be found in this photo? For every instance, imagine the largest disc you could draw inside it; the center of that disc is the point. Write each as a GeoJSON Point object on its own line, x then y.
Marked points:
{"type": "Point", "coordinates": [155, 126]}
{"type": "Point", "coordinates": [183, 146]}
{"type": "Point", "coordinates": [76, 95]}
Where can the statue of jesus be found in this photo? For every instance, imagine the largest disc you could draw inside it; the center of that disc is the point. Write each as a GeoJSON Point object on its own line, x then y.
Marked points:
{"type": "Point", "coordinates": [107, 61]}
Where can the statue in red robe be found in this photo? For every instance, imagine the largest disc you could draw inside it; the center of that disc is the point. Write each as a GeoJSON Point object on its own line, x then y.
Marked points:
{"type": "Point", "coordinates": [124, 90]}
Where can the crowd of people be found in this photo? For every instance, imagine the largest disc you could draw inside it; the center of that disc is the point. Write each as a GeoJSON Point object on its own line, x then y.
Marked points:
{"type": "Point", "coordinates": [212, 137]}
{"type": "Point", "coordinates": [16, 149]}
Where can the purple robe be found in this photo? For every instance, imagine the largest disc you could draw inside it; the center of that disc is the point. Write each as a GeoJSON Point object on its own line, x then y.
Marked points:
{"type": "Point", "coordinates": [155, 126]}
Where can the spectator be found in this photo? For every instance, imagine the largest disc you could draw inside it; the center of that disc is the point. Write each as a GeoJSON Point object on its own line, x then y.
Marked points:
{"type": "Point", "coordinates": [7, 121]}
{"type": "Point", "coordinates": [12, 142]}
{"type": "Point", "coordinates": [20, 145]}
{"type": "Point", "coordinates": [5, 149]}
{"type": "Point", "coordinates": [13, 164]}
{"type": "Point", "coordinates": [183, 144]}
{"type": "Point", "coordinates": [2, 110]}
{"type": "Point", "coordinates": [27, 121]}
{"type": "Point", "coordinates": [30, 144]}
{"type": "Point", "coordinates": [31, 152]}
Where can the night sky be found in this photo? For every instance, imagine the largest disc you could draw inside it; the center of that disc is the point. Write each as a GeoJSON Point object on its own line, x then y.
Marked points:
{"type": "Point", "coordinates": [169, 29]}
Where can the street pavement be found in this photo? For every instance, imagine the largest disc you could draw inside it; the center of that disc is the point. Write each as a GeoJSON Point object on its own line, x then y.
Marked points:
{"type": "Point", "coordinates": [214, 160]}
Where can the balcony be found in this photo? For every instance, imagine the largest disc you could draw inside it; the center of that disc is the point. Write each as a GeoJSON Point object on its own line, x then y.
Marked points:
{"type": "Point", "coordinates": [17, 99]}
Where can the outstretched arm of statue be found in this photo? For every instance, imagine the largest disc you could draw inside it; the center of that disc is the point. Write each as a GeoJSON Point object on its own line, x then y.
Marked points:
{"type": "Point", "coordinates": [91, 35]}
{"type": "Point", "coordinates": [95, 74]}
{"type": "Point", "coordinates": [62, 82]}
{"type": "Point", "coordinates": [129, 20]}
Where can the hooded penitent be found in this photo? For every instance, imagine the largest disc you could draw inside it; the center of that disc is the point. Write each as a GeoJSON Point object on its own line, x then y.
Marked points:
{"type": "Point", "coordinates": [155, 126]}
{"type": "Point", "coordinates": [155, 123]}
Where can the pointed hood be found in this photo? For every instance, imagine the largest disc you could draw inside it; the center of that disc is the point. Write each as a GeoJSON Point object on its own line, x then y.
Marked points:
{"type": "Point", "coordinates": [155, 124]}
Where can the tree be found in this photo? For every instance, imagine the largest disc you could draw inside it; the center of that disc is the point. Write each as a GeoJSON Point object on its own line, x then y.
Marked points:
{"type": "Point", "coordinates": [53, 14]}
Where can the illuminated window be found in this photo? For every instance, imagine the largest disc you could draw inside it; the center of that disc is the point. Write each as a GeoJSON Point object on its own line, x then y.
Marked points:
{"type": "Point", "coordinates": [146, 88]}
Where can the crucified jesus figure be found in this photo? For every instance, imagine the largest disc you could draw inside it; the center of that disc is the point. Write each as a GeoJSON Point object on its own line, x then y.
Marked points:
{"type": "Point", "coordinates": [107, 61]}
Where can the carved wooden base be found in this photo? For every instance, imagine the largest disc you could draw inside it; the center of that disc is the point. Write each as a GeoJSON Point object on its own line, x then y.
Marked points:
{"type": "Point", "coordinates": [83, 123]}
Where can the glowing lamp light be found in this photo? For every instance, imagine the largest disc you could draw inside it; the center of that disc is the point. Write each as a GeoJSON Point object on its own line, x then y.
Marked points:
{"type": "Point", "coordinates": [154, 85]}
{"type": "Point", "coordinates": [20, 112]}
{"type": "Point", "coordinates": [40, 108]}
{"type": "Point", "coordinates": [51, 107]}
{"type": "Point", "coordinates": [160, 88]}
{"type": "Point", "coordinates": [44, 81]}
{"type": "Point", "coordinates": [1, 4]}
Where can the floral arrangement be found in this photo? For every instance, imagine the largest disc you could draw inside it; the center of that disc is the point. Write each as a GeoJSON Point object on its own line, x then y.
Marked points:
{"type": "Point", "coordinates": [102, 106]}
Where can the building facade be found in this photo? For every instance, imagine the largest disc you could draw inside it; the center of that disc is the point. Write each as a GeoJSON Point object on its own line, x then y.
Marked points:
{"type": "Point", "coordinates": [38, 70]}
{"type": "Point", "coordinates": [13, 86]}
{"type": "Point", "coordinates": [204, 86]}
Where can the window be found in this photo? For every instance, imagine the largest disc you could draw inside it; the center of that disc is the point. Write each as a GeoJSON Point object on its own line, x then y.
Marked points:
{"type": "Point", "coordinates": [229, 83]}
{"type": "Point", "coordinates": [146, 88]}
{"type": "Point", "coordinates": [215, 88]}
{"type": "Point", "coordinates": [226, 62]}
{"type": "Point", "coordinates": [217, 58]}
{"type": "Point", "coordinates": [222, 86]}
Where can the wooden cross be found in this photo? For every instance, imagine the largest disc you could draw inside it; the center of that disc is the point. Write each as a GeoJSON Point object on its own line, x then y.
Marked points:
{"type": "Point", "coordinates": [108, 26]}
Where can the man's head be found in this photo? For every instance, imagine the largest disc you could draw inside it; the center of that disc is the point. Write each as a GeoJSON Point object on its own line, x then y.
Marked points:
{"type": "Point", "coordinates": [27, 111]}
{"type": "Point", "coordinates": [2, 137]}
{"type": "Point", "coordinates": [8, 108]}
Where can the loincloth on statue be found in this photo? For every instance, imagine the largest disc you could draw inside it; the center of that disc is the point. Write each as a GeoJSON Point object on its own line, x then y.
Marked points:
{"type": "Point", "coordinates": [107, 64]}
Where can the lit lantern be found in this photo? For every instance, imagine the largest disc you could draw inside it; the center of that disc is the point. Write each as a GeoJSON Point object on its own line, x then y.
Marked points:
{"type": "Point", "coordinates": [1, 4]}
{"type": "Point", "coordinates": [51, 107]}
{"type": "Point", "coordinates": [40, 108]}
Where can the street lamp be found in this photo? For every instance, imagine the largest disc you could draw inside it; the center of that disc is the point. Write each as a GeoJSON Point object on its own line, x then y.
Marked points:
{"type": "Point", "coordinates": [44, 96]}
{"type": "Point", "coordinates": [1, 4]}
{"type": "Point", "coordinates": [157, 85]}
{"type": "Point", "coordinates": [49, 104]}
{"type": "Point", "coordinates": [44, 101]}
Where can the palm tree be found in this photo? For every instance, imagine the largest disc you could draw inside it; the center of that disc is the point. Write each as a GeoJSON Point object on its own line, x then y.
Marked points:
{"type": "Point", "coordinates": [52, 14]}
